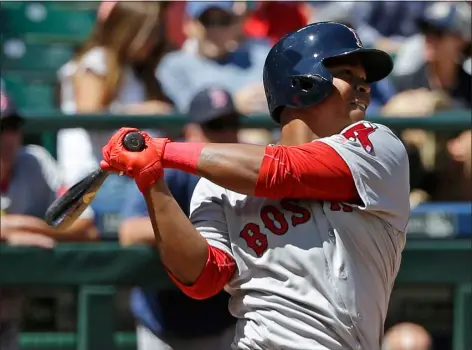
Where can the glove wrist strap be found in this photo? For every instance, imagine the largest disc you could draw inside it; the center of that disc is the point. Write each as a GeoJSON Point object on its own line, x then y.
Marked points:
{"type": "Point", "coordinates": [183, 156]}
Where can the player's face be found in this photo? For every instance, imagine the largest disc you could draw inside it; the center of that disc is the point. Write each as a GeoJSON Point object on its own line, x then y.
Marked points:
{"type": "Point", "coordinates": [346, 104]}
{"type": "Point", "coordinates": [352, 93]}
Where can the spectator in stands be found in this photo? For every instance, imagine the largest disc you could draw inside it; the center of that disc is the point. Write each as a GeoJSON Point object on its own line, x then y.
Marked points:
{"type": "Point", "coordinates": [407, 336]}
{"type": "Point", "coordinates": [380, 24]}
{"type": "Point", "coordinates": [114, 68]}
{"type": "Point", "coordinates": [29, 183]}
{"type": "Point", "coordinates": [460, 150]}
{"type": "Point", "coordinates": [113, 72]}
{"type": "Point", "coordinates": [388, 23]}
{"type": "Point", "coordinates": [439, 82]}
{"type": "Point", "coordinates": [442, 48]}
{"type": "Point", "coordinates": [175, 15]}
{"type": "Point", "coordinates": [169, 319]}
{"type": "Point", "coordinates": [215, 56]}
{"type": "Point", "coordinates": [421, 145]}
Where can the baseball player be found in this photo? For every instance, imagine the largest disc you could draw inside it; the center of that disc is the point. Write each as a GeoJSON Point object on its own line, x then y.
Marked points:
{"type": "Point", "coordinates": [305, 235]}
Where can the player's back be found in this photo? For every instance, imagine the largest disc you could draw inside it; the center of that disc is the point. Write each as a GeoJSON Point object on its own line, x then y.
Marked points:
{"type": "Point", "coordinates": [311, 274]}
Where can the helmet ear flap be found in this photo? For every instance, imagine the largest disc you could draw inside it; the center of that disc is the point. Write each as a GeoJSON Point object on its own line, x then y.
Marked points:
{"type": "Point", "coordinates": [304, 83]}
{"type": "Point", "coordinates": [311, 89]}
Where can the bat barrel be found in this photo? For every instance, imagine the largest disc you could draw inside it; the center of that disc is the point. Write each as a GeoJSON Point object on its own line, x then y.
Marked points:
{"type": "Point", "coordinates": [66, 209]}
{"type": "Point", "coordinates": [134, 141]}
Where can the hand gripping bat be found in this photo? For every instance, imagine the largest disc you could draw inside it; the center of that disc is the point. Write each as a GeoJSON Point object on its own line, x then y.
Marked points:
{"type": "Point", "coordinates": [65, 210]}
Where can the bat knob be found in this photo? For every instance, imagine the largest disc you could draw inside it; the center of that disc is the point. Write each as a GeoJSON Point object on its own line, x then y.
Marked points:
{"type": "Point", "coordinates": [134, 141]}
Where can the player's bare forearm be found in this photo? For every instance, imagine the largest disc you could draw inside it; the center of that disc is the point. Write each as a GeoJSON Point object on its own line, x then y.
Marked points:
{"type": "Point", "coordinates": [312, 170]}
{"type": "Point", "coordinates": [181, 247]}
{"type": "Point", "coordinates": [232, 166]}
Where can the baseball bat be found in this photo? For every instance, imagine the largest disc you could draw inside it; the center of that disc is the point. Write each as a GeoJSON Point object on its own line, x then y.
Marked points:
{"type": "Point", "coordinates": [65, 210]}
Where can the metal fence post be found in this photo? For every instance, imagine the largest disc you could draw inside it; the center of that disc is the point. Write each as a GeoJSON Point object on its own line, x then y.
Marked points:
{"type": "Point", "coordinates": [462, 326]}
{"type": "Point", "coordinates": [96, 326]}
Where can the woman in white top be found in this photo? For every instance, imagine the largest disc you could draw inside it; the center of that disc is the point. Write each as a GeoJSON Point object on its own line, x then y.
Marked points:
{"type": "Point", "coordinates": [113, 72]}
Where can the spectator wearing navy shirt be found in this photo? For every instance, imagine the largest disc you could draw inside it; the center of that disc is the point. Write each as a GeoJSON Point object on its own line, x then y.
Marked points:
{"type": "Point", "coordinates": [168, 319]}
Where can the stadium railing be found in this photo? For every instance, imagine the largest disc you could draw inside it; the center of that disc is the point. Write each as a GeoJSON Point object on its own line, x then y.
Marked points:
{"type": "Point", "coordinates": [51, 121]}
{"type": "Point", "coordinates": [99, 268]}
{"type": "Point", "coordinates": [48, 122]}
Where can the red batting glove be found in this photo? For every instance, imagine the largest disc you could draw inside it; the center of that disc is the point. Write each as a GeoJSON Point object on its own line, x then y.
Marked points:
{"type": "Point", "coordinates": [144, 167]}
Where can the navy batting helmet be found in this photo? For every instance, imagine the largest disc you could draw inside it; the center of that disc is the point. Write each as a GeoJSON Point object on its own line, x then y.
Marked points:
{"type": "Point", "coordinates": [294, 71]}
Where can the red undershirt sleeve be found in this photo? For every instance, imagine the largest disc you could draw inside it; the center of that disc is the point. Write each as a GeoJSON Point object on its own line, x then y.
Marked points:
{"type": "Point", "coordinates": [219, 269]}
{"type": "Point", "coordinates": [314, 170]}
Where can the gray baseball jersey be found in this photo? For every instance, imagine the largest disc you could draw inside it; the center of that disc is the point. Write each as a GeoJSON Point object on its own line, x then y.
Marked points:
{"type": "Point", "coordinates": [311, 274]}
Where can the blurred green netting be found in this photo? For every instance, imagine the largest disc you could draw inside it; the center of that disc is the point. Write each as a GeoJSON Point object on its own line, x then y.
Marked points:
{"type": "Point", "coordinates": [38, 37]}
{"type": "Point", "coordinates": [20, 55]}
{"type": "Point", "coordinates": [68, 341]}
{"type": "Point", "coordinates": [46, 23]}
{"type": "Point", "coordinates": [34, 92]}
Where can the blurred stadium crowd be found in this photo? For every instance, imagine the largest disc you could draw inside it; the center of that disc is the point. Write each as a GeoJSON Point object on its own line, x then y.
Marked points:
{"type": "Point", "coordinates": [203, 60]}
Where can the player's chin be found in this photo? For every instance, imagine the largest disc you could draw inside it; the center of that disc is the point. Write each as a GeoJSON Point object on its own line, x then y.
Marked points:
{"type": "Point", "coordinates": [357, 114]}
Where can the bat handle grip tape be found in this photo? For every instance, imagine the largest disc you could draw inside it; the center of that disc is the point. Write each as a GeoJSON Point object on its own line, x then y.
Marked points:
{"type": "Point", "coordinates": [134, 142]}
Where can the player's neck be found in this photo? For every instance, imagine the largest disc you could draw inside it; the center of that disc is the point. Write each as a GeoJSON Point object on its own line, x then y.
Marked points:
{"type": "Point", "coordinates": [296, 132]}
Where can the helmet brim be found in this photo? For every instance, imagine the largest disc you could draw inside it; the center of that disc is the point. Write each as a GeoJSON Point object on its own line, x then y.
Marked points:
{"type": "Point", "coordinates": [377, 64]}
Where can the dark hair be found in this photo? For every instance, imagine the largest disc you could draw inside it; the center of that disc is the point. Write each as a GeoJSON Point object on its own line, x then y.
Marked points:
{"type": "Point", "coordinates": [118, 31]}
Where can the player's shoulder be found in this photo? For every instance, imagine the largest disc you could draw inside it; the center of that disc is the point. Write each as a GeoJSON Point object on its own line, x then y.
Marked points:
{"type": "Point", "coordinates": [391, 143]}
{"type": "Point", "coordinates": [375, 138]}
{"type": "Point", "coordinates": [368, 125]}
